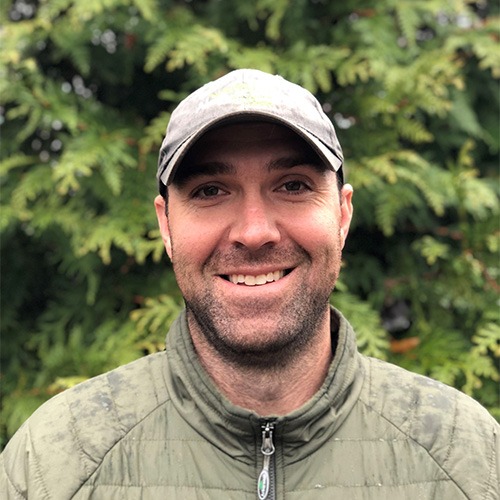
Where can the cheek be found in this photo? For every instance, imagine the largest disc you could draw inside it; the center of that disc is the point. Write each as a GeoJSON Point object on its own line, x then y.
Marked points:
{"type": "Point", "coordinates": [316, 231]}
{"type": "Point", "coordinates": [192, 243]}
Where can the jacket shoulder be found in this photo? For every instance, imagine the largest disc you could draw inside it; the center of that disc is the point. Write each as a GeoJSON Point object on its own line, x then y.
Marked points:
{"type": "Point", "coordinates": [456, 431]}
{"type": "Point", "coordinates": [74, 430]}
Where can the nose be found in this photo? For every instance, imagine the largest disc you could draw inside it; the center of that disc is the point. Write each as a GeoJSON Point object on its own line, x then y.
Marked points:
{"type": "Point", "coordinates": [254, 225]}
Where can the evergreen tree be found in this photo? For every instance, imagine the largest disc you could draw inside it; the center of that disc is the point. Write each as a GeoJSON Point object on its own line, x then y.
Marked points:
{"type": "Point", "coordinates": [85, 96]}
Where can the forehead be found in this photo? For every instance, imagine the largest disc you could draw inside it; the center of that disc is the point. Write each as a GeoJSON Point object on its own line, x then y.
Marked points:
{"type": "Point", "coordinates": [229, 143]}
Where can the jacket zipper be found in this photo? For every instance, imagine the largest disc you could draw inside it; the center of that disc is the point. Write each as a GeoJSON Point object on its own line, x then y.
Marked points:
{"type": "Point", "coordinates": [266, 481]}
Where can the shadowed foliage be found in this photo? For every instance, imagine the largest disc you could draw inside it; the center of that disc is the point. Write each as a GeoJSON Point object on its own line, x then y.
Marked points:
{"type": "Point", "coordinates": [85, 96]}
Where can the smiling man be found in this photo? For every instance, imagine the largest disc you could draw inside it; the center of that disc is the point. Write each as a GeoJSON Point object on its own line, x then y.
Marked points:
{"type": "Point", "coordinates": [261, 392]}
{"type": "Point", "coordinates": [254, 225]}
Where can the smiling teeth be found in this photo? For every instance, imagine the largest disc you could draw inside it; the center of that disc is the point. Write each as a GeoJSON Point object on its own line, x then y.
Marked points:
{"type": "Point", "coordinates": [260, 279]}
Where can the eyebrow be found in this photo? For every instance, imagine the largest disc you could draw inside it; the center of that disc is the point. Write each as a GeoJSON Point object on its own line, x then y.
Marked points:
{"type": "Point", "coordinates": [188, 172]}
{"type": "Point", "coordinates": [295, 161]}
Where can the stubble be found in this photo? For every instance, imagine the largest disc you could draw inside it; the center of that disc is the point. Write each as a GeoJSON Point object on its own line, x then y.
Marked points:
{"type": "Point", "coordinates": [297, 322]}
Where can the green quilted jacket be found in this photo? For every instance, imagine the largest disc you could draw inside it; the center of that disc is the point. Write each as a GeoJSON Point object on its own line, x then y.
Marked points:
{"type": "Point", "coordinates": [159, 429]}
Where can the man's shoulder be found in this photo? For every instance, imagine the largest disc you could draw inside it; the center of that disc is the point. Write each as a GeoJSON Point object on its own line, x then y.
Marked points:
{"type": "Point", "coordinates": [454, 430]}
{"type": "Point", "coordinates": [74, 430]}
{"type": "Point", "coordinates": [402, 395]}
{"type": "Point", "coordinates": [122, 395]}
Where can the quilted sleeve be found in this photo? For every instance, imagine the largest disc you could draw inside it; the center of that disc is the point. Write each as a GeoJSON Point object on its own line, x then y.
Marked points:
{"type": "Point", "coordinates": [459, 435]}
{"type": "Point", "coordinates": [19, 473]}
{"type": "Point", "coordinates": [43, 459]}
{"type": "Point", "coordinates": [64, 442]}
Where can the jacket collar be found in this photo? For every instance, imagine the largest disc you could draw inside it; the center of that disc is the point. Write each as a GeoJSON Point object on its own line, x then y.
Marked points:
{"type": "Point", "coordinates": [237, 431]}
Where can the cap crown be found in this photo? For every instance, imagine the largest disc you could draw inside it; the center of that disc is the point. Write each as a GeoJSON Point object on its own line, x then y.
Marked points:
{"type": "Point", "coordinates": [247, 94]}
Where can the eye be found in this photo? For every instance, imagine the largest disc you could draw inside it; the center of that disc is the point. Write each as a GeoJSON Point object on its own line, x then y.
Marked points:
{"type": "Point", "coordinates": [294, 186]}
{"type": "Point", "coordinates": [207, 191]}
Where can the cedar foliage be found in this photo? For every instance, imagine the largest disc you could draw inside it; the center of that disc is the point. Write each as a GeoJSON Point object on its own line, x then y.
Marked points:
{"type": "Point", "coordinates": [86, 92]}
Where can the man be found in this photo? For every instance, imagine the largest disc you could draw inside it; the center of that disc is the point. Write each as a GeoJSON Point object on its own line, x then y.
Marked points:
{"type": "Point", "coordinates": [261, 392]}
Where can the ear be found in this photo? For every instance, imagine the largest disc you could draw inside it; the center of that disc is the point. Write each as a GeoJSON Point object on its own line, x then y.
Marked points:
{"type": "Point", "coordinates": [163, 223]}
{"type": "Point", "coordinates": [346, 210]}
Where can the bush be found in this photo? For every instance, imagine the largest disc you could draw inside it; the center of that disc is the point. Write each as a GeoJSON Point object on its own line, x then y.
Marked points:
{"type": "Point", "coordinates": [86, 93]}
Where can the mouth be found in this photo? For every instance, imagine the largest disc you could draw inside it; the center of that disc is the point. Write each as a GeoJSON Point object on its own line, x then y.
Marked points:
{"type": "Point", "coordinates": [256, 280]}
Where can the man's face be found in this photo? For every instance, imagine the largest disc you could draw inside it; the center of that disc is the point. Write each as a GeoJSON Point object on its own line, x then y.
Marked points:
{"type": "Point", "coordinates": [255, 230]}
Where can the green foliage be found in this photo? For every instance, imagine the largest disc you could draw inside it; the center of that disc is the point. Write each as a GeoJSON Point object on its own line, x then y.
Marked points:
{"type": "Point", "coordinates": [86, 91]}
{"type": "Point", "coordinates": [371, 337]}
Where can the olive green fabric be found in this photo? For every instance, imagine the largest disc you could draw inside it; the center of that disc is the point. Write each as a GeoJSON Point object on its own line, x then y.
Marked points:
{"type": "Point", "coordinates": [158, 429]}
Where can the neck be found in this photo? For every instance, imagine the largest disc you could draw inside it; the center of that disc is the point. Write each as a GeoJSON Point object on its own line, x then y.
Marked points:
{"type": "Point", "coordinates": [277, 390]}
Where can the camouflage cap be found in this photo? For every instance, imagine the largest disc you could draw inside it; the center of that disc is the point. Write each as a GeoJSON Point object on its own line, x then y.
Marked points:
{"type": "Point", "coordinates": [247, 94]}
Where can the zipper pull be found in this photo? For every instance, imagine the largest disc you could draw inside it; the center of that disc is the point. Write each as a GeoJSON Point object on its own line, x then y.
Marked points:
{"type": "Point", "coordinates": [267, 449]}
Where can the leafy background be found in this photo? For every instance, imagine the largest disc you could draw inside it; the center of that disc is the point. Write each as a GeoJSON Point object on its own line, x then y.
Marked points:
{"type": "Point", "coordinates": [86, 91]}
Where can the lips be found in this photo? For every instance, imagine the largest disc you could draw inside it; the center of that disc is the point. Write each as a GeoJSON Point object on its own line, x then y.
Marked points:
{"type": "Point", "coordinates": [254, 280]}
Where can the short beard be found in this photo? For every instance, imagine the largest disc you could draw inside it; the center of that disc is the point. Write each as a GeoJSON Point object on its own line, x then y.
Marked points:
{"type": "Point", "coordinates": [290, 341]}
